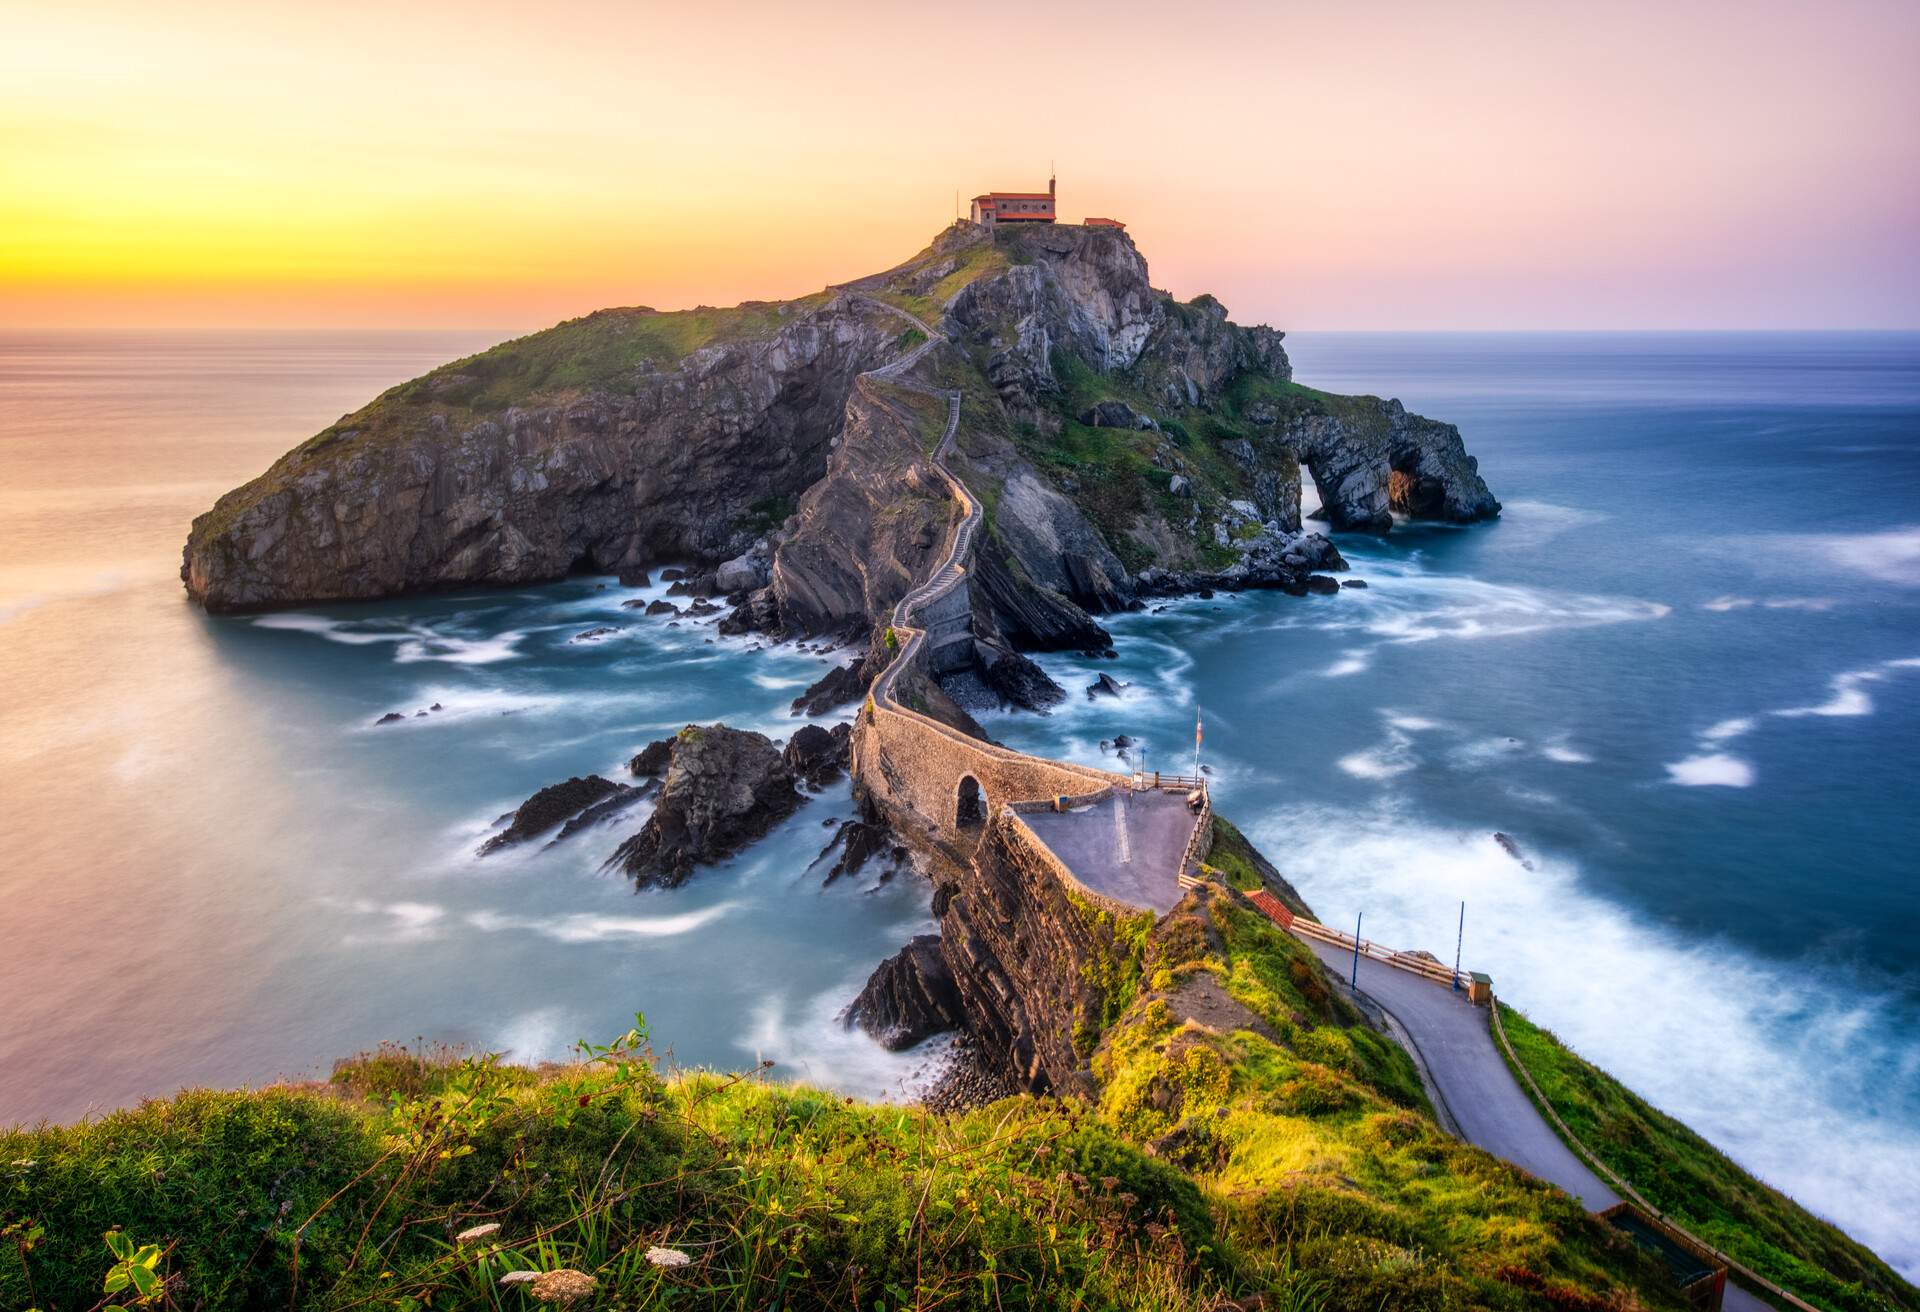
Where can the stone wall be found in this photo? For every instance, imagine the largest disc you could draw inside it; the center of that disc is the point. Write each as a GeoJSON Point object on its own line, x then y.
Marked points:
{"type": "Point", "coordinates": [1025, 959]}
{"type": "Point", "coordinates": [912, 765]}
{"type": "Point", "coordinates": [948, 622]}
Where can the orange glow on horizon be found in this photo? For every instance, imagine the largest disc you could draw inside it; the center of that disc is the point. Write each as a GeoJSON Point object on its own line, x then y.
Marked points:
{"type": "Point", "coordinates": [1488, 165]}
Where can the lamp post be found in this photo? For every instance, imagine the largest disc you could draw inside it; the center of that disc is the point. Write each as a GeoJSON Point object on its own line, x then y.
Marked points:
{"type": "Point", "coordinates": [1354, 983]}
{"type": "Point", "coordinates": [1459, 939]}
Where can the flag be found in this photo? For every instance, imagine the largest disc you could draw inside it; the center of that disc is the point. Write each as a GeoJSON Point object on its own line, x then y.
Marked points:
{"type": "Point", "coordinates": [1196, 731]}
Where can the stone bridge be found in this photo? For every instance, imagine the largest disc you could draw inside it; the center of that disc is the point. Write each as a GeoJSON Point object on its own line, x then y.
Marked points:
{"type": "Point", "coordinates": [1121, 841]}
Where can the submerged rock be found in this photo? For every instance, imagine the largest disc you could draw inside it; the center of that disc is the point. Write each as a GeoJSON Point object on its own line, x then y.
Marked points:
{"type": "Point", "coordinates": [622, 797]}
{"type": "Point", "coordinates": [548, 808]}
{"type": "Point", "coordinates": [909, 997]}
{"type": "Point", "coordinates": [652, 760]}
{"type": "Point", "coordinates": [818, 755]}
{"type": "Point", "coordinates": [836, 688]}
{"type": "Point", "coordinates": [1017, 680]}
{"type": "Point", "coordinates": [1512, 849]}
{"type": "Point", "coordinates": [723, 789]}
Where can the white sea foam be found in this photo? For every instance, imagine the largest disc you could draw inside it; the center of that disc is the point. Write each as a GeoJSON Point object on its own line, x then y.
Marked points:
{"type": "Point", "coordinates": [1849, 698]}
{"type": "Point", "coordinates": [1687, 1022]}
{"type": "Point", "coordinates": [1394, 756]}
{"type": "Point", "coordinates": [1354, 662]}
{"type": "Point", "coordinates": [1484, 751]}
{"type": "Point", "coordinates": [401, 922]}
{"type": "Point", "coordinates": [1411, 723]}
{"type": "Point", "coordinates": [1714, 769]}
{"type": "Point", "coordinates": [535, 1036]}
{"type": "Point", "coordinates": [1728, 729]}
{"type": "Point", "coordinates": [1801, 603]}
{"type": "Point", "coordinates": [1724, 604]}
{"type": "Point", "coordinates": [591, 928]}
{"type": "Point", "coordinates": [810, 1042]}
{"type": "Point", "coordinates": [1558, 749]}
{"type": "Point", "coordinates": [411, 643]}
{"type": "Point", "coordinates": [1892, 556]}
{"type": "Point", "coordinates": [1417, 607]}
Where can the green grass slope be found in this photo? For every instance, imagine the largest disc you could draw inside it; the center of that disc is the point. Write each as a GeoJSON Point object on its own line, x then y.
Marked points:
{"type": "Point", "coordinates": [1688, 1178]}
{"type": "Point", "coordinates": [1252, 1137]}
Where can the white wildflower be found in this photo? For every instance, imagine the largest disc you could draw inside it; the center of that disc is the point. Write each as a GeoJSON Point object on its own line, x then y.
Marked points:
{"type": "Point", "coordinates": [562, 1286]}
{"type": "Point", "coordinates": [667, 1257]}
{"type": "Point", "coordinates": [518, 1277]}
{"type": "Point", "coordinates": [476, 1232]}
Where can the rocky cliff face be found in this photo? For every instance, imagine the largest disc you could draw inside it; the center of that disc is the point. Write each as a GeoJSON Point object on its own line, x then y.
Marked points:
{"type": "Point", "coordinates": [868, 531]}
{"type": "Point", "coordinates": [1107, 428]}
{"type": "Point", "coordinates": [604, 443]}
{"type": "Point", "coordinates": [722, 789]}
{"type": "Point", "coordinates": [1036, 972]}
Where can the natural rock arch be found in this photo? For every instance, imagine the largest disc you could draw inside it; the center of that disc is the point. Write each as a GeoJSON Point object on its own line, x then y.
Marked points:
{"type": "Point", "coordinates": [969, 803]}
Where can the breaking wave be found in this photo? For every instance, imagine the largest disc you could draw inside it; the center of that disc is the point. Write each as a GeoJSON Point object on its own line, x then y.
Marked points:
{"type": "Point", "coordinates": [1690, 1024]}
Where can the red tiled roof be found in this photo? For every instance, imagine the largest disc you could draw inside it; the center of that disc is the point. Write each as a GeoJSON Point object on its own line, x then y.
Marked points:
{"type": "Point", "coordinates": [1276, 909]}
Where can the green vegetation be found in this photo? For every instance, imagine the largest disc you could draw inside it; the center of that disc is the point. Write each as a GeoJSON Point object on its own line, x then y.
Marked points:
{"type": "Point", "coordinates": [609, 351]}
{"type": "Point", "coordinates": [914, 289]}
{"type": "Point", "coordinates": [767, 514]}
{"type": "Point", "coordinates": [1309, 1136]}
{"type": "Point", "coordinates": [776, 1196]}
{"type": "Point", "coordinates": [927, 414]}
{"type": "Point", "coordinates": [1250, 1136]}
{"type": "Point", "coordinates": [1112, 473]}
{"type": "Point", "coordinates": [1685, 1176]}
{"type": "Point", "coordinates": [1112, 968]}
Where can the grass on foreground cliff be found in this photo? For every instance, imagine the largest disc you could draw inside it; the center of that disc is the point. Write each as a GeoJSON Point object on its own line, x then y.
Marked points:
{"type": "Point", "coordinates": [1250, 1138]}
{"type": "Point", "coordinates": [1685, 1176]}
{"type": "Point", "coordinates": [775, 1196]}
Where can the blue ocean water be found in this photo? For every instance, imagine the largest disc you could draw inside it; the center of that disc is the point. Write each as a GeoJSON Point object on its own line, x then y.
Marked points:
{"type": "Point", "coordinates": [1681, 674]}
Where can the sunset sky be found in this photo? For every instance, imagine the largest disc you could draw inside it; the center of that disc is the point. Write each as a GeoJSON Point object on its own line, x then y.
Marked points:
{"type": "Point", "coordinates": [1337, 165]}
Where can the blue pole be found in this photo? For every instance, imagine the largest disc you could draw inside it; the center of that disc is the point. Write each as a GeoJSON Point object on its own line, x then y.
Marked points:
{"type": "Point", "coordinates": [1354, 983]}
{"type": "Point", "coordinates": [1462, 938]}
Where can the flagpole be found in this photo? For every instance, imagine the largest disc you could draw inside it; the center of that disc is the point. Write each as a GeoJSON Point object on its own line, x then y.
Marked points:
{"type": "Point", "coordinates": [1196, 740]}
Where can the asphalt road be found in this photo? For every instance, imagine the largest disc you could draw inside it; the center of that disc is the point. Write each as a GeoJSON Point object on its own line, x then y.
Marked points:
{"type": "Point", "coordinates": [1485, 1101]}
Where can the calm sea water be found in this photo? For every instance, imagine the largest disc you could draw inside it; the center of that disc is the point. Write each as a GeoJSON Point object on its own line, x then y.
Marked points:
{"type": "Point", "coordinates": [1682, 673]}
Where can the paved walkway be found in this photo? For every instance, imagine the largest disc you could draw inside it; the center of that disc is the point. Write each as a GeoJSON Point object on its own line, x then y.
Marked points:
{"type": "Point", "coordinates": [1127, 845]}
{"type": "Point", "coordinates": [1455, 1044]}
{"type": "Point", "coordinates": [1472, 1078]}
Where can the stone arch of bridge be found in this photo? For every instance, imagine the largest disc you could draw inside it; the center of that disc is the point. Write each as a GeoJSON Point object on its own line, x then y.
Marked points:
{"type": "Point", "coordinates": [969, 803]}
